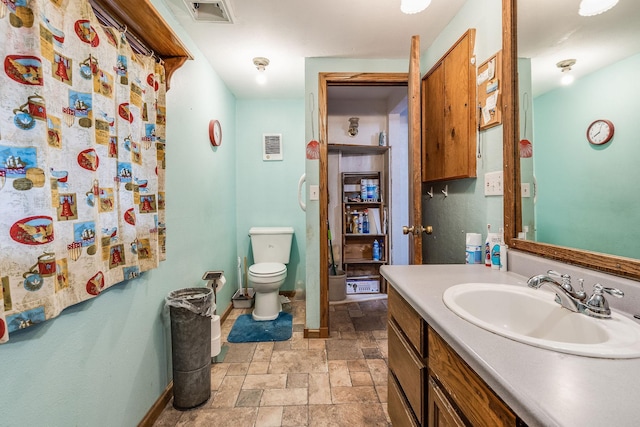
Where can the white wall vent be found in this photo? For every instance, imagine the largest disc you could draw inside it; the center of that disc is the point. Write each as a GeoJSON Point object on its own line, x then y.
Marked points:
{"type": "Point", "coordinates": [272, 146]}
{"type": "Point", "coordinates": [210, 11]}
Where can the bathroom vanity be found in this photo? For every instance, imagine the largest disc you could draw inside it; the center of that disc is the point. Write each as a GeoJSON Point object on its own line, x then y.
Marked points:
{"type": "Point", "coordinates": [444, 370]}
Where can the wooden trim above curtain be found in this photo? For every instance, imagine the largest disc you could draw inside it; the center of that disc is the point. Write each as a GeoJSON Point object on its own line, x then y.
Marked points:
{"type": "Point", "coordinates": [141, 18]}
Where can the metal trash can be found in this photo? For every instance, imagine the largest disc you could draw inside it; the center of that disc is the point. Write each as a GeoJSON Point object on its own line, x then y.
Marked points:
{"type": "Point", "coordinates": [190, 310]}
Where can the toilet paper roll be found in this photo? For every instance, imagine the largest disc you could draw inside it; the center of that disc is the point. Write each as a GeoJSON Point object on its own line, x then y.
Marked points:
{"type": "Point", "coordinates": [220, 283]}
{"type": "Point", "coordinates": [474, 239]}
{"type": "Point", "coordinates": [474, 248]}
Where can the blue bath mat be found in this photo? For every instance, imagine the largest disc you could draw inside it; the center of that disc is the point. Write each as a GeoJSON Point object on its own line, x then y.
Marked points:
{"type": "Point", "coordinates": [245, 329]}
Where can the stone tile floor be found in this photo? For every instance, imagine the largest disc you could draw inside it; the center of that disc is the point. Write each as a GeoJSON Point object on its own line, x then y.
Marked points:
{"type": "Point", "coordinates": [339, 381]}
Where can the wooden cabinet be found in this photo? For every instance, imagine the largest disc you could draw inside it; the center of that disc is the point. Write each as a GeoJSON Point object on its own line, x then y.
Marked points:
{"type": "Point", "coordinates": [407, 364]}
{"type": "Point", "coordinates": [429, 384]}
{"type": "Point", "coordinates": [441, 411]}
{"type": "Point", "coordinates": [473, 398]}
{"type": "Point", "coordinates": [449, 114]}
{"type": "Point", "coordinates": [363, 200]}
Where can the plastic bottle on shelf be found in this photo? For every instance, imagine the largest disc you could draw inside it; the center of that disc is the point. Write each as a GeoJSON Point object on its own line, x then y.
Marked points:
{"type": "Point", "coordinates": [355, 222]}
{"type": "Point", "coordinates": [365, 223]}
{"type": "Point", "coordinates": [376, 250]}
{"type": "Point", "coordinates": [363, 189]}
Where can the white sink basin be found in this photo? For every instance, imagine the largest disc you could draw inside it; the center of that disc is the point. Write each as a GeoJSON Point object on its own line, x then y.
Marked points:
{"type": "Point", "coordinates": [531, 316]}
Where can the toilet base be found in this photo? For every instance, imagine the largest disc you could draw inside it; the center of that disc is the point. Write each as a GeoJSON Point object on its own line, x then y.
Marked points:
{"type": "Point", "coordinates": [267, 306]}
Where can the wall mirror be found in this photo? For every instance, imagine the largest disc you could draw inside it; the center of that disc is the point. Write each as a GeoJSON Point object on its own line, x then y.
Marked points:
{"type": "Point", "coordinates": [602, 46]}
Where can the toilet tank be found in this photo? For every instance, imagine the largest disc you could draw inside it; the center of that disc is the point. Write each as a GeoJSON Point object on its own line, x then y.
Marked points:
{"type": "Point", "coordinates": [271, 244]}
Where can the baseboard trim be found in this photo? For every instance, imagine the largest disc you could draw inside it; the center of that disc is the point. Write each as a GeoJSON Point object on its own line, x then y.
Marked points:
{"type": "Point", "coordinates": [154, 412]}
{"type": "Point", "coordinates": [316, 333]}
{"type": "Point", "coordinates": [226, 313]}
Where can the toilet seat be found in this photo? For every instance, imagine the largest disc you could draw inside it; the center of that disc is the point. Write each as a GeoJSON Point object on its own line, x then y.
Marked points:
{"type": "Point", "coordinates": [267, 269]}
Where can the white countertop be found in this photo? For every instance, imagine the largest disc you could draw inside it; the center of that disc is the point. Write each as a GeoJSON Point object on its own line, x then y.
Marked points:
{"type": "Point", "coordinates": [543, 387]}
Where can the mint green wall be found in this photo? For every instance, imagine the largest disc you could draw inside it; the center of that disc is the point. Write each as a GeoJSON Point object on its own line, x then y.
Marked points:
{"type": "Point", "coordinates": [267, 191]}
{"type": "Point", "coordinates": [106, 361]}
{"type": "Point", "coordinates": [466, 209]}
{"type": "Point", "coordinates": [588, 195]}
{"type": "Point", "coordinates": [314, 66]}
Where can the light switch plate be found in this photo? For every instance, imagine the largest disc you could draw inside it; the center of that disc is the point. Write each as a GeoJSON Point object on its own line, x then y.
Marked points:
{"type": "Point", "coordinates": [525, 189]}
{"type": "Point", "coordinates": [314, 192]}
{"type": "Point", "coordinates": [493, 184]}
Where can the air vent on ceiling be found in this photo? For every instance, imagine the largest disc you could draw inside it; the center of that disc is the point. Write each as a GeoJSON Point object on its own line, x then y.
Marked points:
{"type": "Point", "coordinates": [210, 11]}
{"type": "Point", "coordinates": [272, 146]}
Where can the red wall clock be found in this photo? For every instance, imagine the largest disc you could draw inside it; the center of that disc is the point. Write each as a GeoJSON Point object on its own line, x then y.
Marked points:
{"type": "Point", "coordinates": [215, 133]}
{"type": "Point", "coordinates": [600, 132]}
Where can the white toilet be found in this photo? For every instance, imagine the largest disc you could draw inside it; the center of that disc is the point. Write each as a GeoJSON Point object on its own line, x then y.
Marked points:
{"type": "Point", "coordinates": [271, 248]}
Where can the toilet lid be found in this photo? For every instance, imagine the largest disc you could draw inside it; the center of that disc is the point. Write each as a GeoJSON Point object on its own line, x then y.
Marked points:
{"type": "Point", "coordinates": [267, 268]}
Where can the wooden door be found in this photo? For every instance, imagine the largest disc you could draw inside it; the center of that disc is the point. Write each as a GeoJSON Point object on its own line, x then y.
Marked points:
{"type": "Point", "coordinates": [414, 229]}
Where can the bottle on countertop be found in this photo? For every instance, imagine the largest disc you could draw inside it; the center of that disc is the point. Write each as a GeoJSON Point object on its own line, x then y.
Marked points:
{"type": "Point", "coordinates": [503, 252]}
{"type": "Point", "coordinates": [495, 251]}
{"type": "Point", "coordinates": [487, 247]}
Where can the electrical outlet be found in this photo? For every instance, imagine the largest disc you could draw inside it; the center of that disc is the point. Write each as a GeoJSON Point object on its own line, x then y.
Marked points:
{"type": "Point", "coordinates": [493, 184]}
{"type": "Point", "coordinates": [525, 189]}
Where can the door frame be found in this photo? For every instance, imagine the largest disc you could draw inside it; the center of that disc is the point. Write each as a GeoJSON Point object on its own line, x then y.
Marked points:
{"type": "Point", "coordinates": [324, 81]}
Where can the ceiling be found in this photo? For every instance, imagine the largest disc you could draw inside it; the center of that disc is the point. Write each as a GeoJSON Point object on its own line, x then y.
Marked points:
{"type": "Point", "coordinates": [288, 31]}
{"type": "Point", "coordinates": [551, 30]}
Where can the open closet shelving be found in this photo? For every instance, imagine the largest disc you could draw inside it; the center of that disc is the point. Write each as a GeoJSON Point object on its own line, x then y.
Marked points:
{"type": "Point", "coordinates": [363, 272]}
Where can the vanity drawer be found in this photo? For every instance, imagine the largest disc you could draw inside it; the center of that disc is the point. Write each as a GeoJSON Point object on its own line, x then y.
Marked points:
{"type": "Point", "coordinates": [409, 370]}
{"type": "Point", "coordinates": [399, 411]}
{"type": "Point", "coordinates": [474, 398]}
{"type": "Point", "coordinates": [409, 321]}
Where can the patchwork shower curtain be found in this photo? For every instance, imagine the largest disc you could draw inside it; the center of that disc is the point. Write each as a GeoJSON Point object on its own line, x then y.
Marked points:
{"type": "Point", "coordinates": [82, 128]}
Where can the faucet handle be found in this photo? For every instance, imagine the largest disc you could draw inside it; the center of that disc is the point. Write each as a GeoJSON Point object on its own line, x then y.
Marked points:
{"type": "Point", "coordinates": [597, 304]}
{"type": "Point", "coordinates": [611, 291]}
{"type": "Point", "coordinates": [566, 279]}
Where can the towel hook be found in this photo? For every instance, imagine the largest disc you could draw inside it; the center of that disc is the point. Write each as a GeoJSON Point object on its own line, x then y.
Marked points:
{"type": "Point", "coordinates": [430, 192]}
{"type": "Point", "coordinates": [445, 191]}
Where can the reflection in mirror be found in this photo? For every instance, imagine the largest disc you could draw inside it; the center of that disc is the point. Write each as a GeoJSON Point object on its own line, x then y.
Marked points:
{"type": "Point", "coordinates": [575, 193]}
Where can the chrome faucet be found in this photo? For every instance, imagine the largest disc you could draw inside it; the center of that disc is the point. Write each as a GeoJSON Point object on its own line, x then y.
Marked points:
{"type": "Point", "coordinates": [595, 306]}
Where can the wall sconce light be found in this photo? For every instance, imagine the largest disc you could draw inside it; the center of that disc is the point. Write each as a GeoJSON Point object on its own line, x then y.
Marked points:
{"type": "Point", "coordinates": [413, 6]}
{"type": "Point", "coordinates": [565, 67]}
{"type": "Point", "coordinates": [261, 64]}
{"type": "Point", "coordinates": [353, 126]}
{"type": "Point", "coordinates": [595, 7]}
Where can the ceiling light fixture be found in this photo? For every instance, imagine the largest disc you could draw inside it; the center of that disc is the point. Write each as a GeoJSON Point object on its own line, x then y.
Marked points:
{"type": "Point", "coordinates": [595, 7]}
{"type": "Point", "coordinates": [565, 67]}
{"type": "Point", "coordinates": [413, 6]}
{"type": "Point", "coordinates": [261, 64]}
